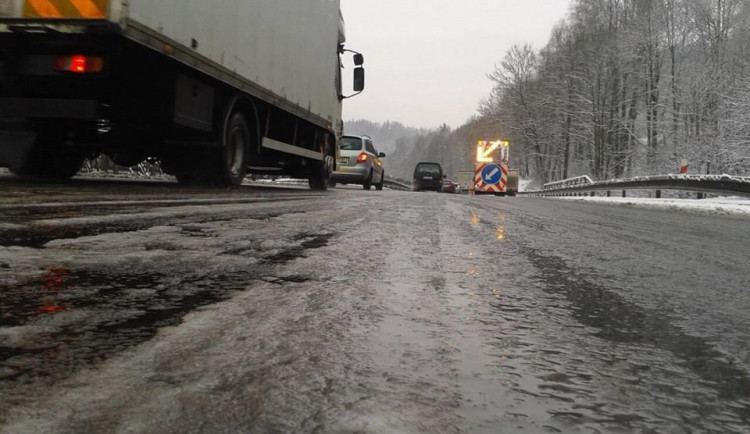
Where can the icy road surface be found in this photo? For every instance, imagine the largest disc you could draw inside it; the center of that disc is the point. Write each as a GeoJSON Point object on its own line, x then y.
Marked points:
{"type": "Point", "coordinates": [158, 310]}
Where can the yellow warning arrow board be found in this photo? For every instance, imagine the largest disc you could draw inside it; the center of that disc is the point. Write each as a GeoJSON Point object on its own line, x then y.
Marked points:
{"type": "Point", "coordinates": [486, 149]}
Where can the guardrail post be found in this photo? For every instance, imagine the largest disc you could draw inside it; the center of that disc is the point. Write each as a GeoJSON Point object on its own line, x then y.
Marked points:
{"type": "Point", "coordinates": [658, 194]}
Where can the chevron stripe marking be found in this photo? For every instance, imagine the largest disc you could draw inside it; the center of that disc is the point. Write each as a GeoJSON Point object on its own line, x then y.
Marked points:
{"type": "Point", "coordinates": [87, 8]}
{"type": "Point", "coordinates": [40, 8]}
{"type": "Point", "coordinates": [95, 9]}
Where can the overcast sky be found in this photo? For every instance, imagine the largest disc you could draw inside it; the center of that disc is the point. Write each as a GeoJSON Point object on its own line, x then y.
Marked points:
{"type": "Point", "coordinates": [427, 60]}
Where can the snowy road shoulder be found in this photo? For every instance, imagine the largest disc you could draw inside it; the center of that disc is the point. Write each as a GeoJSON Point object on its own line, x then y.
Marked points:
{"type": "Point", "coordinates": [728, 206]}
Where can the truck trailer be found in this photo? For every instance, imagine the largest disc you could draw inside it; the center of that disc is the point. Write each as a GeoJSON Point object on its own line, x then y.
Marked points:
{"type": "Point", "coordinates": [212, 90]}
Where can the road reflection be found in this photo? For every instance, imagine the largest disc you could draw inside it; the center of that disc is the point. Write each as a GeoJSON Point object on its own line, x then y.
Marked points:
{"type": "Point", "coordinates": [475, 220]}
{"type": "Point", "coordinates": [500, 233]}
{"type": "Point", "coordinates": [54, 281]}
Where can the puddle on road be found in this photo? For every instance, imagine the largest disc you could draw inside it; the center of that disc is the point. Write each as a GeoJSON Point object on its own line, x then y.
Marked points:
{"type": "Point", "coordinates": [81, 317]}
{"type": "Point", "coordinates": [621, 321]}
{"type": "Point", "coordinates": [37, 236]}
{"type": "Point", "coordinates": [307, 242]}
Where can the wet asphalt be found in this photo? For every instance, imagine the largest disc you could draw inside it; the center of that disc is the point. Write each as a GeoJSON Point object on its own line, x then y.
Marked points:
{"type": "Point", "coordinates": [145, 307]}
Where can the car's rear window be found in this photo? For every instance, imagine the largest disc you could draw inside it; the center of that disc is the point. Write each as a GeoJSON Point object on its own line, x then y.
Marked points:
{"type": "Point", "coordinates": [350, 144]}
{"type": "Point", "coordinates": [432, 169]}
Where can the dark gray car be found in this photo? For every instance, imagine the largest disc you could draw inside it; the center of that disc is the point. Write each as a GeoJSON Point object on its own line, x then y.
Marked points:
{"type": "Point", "coordinates": [428, 176]}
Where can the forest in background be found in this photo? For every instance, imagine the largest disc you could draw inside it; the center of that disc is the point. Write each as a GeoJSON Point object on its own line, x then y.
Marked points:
{"type": "Point", "coordinates": [623, 88]}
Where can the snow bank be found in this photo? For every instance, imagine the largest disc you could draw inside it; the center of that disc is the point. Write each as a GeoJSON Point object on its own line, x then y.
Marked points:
{"type": "Point", "coordinates": [727, 206]}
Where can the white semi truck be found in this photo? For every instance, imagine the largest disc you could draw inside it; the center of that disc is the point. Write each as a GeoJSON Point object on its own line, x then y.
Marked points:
{"type": "Point", "coordinates": [212, 89]}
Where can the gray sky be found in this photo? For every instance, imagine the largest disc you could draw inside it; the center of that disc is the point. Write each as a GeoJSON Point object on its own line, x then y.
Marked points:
{"type": "Point", "coordinates": [427, 60]}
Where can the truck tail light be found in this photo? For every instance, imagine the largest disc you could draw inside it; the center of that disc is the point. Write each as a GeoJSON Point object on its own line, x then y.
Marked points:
{"type": "Point", "coordinates": [79, 64]}
{"type": "Point", "coordinates": [362, 158]}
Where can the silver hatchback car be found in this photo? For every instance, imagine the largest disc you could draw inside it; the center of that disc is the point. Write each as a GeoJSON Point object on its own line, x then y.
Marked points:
{"type": "Point", "coordinates": [359, 163]}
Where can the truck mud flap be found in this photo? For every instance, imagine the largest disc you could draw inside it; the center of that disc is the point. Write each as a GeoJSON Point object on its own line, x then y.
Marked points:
{"type": "Point", "coordinates": [15, 147]}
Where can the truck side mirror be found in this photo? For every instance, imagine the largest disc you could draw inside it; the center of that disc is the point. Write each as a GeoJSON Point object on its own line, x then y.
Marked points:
{"type": "Point", "coordinates": [359, 79]}
{"type": "Point", "coordinates": [359, 59]}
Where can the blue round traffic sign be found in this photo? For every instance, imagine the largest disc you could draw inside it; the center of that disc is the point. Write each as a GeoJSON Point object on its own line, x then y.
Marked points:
{"type": "Point", "coordinates": [492, 174]}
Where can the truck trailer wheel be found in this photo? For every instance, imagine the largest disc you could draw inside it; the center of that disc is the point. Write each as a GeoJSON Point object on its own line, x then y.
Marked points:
{"type": "Point", "coordinates": [234, 152]}
{"type": "Point", "coordinates": [225, 166]}
{"type": "Point", "coordinates": [320, 175]}
{"type": "Point", "coordinates": [65, 165]}
{"type": "Point", "coordinates": [49, 159]}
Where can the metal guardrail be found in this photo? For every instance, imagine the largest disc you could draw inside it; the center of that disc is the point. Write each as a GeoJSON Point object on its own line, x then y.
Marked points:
{"type": "Point", "coordinates": [723, 184]}
{"type": "Point", "coordinates": [396, 185]}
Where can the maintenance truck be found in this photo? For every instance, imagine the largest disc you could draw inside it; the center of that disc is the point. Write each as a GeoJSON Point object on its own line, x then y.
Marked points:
{"type": "Point", "coordinates": [212, 90]}
{"type": "Point", "coordinates": [492, 174]}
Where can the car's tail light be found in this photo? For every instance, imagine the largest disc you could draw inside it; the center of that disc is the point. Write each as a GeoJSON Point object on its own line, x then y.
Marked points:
{"type": "Point", "coordinates": [79, 64]}
{"type": "Point", "coordinates": [362, 158]}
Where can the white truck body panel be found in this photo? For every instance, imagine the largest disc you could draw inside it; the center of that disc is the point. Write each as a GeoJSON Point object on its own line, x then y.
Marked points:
{"type": "Point", "coordinates": [288, 48]}
{"type": "Point", "coordinates": [10, 8]}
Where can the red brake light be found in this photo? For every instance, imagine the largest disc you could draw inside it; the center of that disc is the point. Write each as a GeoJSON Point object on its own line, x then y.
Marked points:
{"type": "Point", "coordinates": [79, 63]}
{"type": "Point", "coordinates": [362, 158]}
